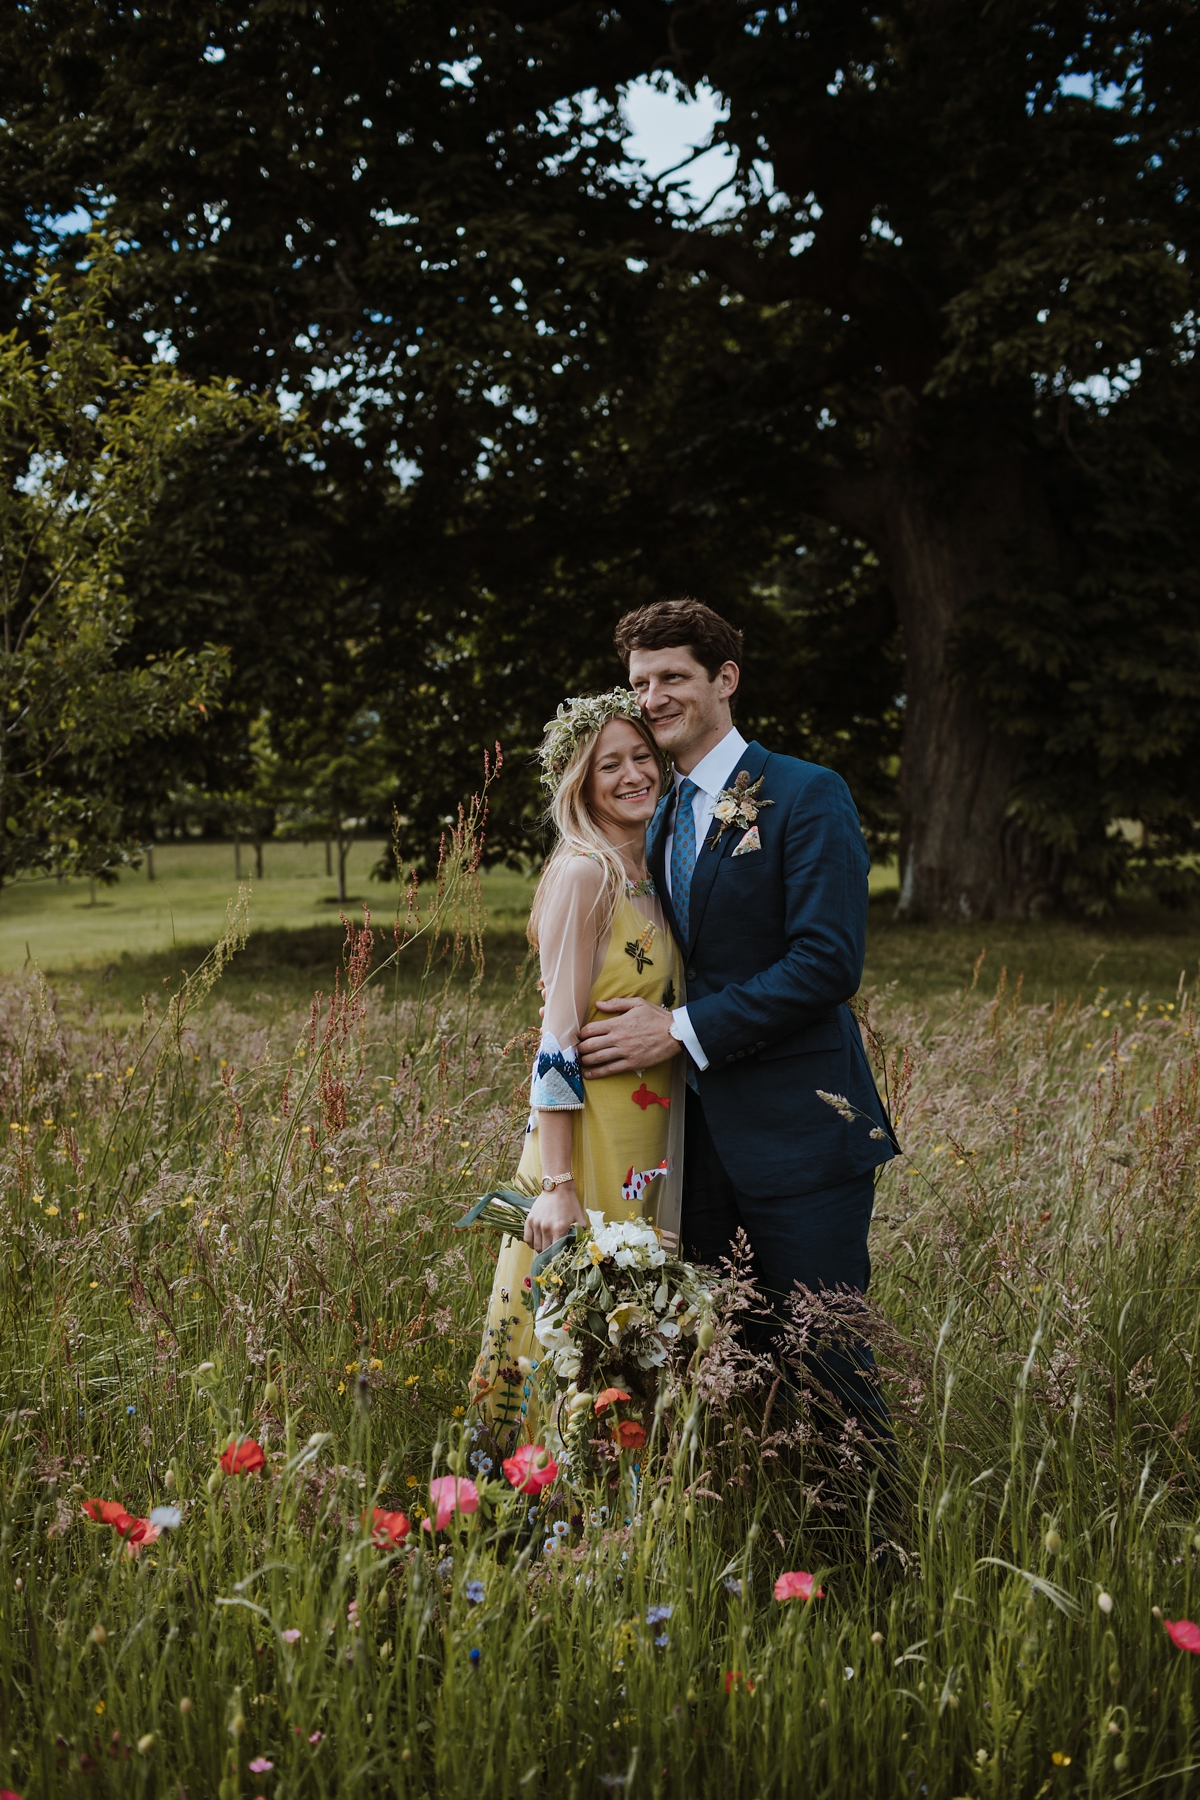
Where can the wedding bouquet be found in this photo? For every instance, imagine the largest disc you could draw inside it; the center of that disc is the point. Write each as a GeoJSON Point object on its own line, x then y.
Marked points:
{"type": "Point", "coordinates": [617, 1314]}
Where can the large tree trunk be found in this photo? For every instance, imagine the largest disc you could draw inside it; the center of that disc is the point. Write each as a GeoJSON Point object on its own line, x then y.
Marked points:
{"type": "Point", "coordinates": [948, 545]}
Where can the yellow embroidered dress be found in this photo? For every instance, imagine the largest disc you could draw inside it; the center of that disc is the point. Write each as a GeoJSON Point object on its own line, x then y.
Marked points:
{"type": "Point", "coordinates": [627, 1141]}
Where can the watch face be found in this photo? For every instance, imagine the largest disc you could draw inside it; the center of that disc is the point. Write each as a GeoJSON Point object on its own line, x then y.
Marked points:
{"type": "Point", "coordinates": [547, 1185]}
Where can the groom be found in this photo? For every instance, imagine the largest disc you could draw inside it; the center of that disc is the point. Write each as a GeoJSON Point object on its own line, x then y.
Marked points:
{"type": "Point", "coordinates": [762, 867]}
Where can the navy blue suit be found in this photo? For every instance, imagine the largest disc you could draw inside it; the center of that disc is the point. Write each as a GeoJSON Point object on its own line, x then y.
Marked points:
{"type": "Point", "coordinates": [775, 946]}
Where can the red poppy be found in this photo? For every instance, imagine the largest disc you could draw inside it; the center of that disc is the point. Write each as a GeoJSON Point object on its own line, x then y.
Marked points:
{"type": "Point", "coordinates": [610, 1397]}
{"type": "Point", "coordinates": [735, 1678]}
{"type": "Point", "coordinates": [1183, 1634]}
{"type": "Point", "coordinates": [530, 1469]}
{"type": "Point", "coordinates": [630, 1435]}
{"type": "Point", "coordinates": [389, 1528]}
{"type": "Point", "coordinates": [105, 1512]}
{"type": "Point", "coordinates": [125, 1524]}
{"type": "Point", "coordinates": [243, 1457]}
{"type": "Point", "coordinates": [797, 1584]}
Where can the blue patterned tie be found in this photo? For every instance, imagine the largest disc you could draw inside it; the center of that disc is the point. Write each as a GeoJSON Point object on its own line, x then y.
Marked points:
{"type": "Point", "coordinates": [683, 856]}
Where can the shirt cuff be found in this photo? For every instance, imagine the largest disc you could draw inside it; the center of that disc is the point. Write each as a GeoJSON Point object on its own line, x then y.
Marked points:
{"type": "Point", "coordinates": [682, 1029]}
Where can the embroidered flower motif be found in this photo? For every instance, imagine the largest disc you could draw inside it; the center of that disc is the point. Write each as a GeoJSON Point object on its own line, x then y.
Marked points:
{"type": "Point", "coordinates": [738, 805]}
{"type": "Point", "coordinates": [638, 947]}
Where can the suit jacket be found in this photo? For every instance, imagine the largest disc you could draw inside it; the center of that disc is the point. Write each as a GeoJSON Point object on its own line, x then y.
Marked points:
{"type": "Point", "coordinates": [775, 947]}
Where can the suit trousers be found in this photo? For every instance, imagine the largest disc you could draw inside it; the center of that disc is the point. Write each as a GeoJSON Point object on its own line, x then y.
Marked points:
{"type": "Point", "coordinates": [817, 1239]}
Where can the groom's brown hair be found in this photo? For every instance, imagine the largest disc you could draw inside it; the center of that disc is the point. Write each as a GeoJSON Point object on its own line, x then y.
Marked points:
{"type": "Point", "coordinates": [680, 625]}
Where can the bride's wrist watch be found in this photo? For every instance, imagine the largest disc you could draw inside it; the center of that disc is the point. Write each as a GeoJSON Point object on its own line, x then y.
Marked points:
{"type": "Point", "coordinates": [550, 1182]}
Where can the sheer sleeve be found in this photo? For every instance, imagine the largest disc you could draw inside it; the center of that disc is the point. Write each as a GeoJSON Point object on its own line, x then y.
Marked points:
{"type": "Point", "coordinates": [569, 934]}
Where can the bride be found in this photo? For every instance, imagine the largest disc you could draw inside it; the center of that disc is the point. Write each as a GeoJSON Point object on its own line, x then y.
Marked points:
{"type": "Point", "coordinates": [611, 1145]}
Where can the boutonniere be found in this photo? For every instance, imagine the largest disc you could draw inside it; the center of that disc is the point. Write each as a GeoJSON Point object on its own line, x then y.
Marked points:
{"type": "Point", "coordinates": [738, 805]}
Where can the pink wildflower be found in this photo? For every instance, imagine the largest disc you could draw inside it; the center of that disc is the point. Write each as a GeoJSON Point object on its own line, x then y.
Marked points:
{"type": "Point", "coordinates": [260, 1766]}
{"type": "Point", "coordinates": [530, 1469]}
{"type": "Point", "coordinates": [797, 1584]}
{"type": "Point", "coordinates": [1183, 1634]}
{"type": "Point", "coordinates": [450, 1494]}
{"type": "Point", "coordinates": [290, 1636]}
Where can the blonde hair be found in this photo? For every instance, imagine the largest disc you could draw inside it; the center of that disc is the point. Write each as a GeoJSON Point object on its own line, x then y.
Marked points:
{"type": "Point", "coordinates": [576, 831]}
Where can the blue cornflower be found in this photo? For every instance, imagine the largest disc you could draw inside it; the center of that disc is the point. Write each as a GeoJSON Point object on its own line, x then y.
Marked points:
{"type": "Point", "coordinates": [662, 1641]}
{"type": "Point", "coordinates": [734, 1585]}
{"type": "Point", "coordinates": [474, 1591]}
{"type": "Point", "coordinates": [130, 1409]}
{"type": "Point", "coordinates": [481, 1462]}
{"type": "Point", "coordinates": [656, 1614]}
{"type": "Point", "coordinates": [475, 1656]}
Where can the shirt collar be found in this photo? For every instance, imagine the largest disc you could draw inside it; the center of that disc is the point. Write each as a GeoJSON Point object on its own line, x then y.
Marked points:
{"type": "Point", "coordinates": [712, 772]}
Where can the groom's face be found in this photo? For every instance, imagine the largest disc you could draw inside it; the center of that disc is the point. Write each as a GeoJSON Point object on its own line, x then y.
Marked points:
{"type": "Point", "coordinates": [686, 707]}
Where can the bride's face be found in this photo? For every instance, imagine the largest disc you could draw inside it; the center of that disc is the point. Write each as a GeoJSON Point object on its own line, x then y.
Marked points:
{"type": "Point", "coordinates": [623, 782]}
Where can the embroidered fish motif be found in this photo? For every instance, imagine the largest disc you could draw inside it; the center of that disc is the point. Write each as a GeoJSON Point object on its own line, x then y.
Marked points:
{"type": "Point", "coordinates": [749, 841]}
{"type": "Point", "coordinates": [646, 1097]}
{"type": "Point", "coordinates": [638, 1180]}
{"type": "Point", "coordinates": [638, 948]}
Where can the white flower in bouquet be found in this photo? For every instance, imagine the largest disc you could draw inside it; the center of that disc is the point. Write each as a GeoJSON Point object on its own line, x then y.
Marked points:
{"type": "Point", "coordinates": [623, 1318]}
{"type": "Point", "coordinates": [565, 1354]}
{"type": "Point", "coordinates": [631, 1243]}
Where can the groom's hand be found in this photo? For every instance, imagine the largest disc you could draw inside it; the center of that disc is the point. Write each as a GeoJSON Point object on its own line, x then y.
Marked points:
{"type": "Point", "coordinates": [637, 1036]}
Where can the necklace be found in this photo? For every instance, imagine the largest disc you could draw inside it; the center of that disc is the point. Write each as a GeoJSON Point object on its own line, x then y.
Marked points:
{"type": "Point", "coordinates": [645, 887]}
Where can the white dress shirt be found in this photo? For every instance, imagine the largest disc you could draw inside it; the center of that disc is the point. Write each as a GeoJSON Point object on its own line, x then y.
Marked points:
{"type": "Point", "coordinates": [712, 773]}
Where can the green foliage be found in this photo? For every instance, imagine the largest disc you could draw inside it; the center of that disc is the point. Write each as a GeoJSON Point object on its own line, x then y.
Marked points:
{"type": "Point", "coordinates": [85, 438]}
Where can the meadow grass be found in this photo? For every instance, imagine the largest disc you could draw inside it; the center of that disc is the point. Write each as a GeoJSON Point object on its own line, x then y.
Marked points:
{"type": "Point", "coordinates": [219, 1220]}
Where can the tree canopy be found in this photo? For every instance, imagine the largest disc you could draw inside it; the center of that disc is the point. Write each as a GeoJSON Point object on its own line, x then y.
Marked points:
{"type": "Point", "coordinates": [913, 406]}
{"type": "Point", "coordinates": [85, 440]}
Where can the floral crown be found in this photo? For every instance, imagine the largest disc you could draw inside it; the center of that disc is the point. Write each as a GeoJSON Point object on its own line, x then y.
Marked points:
{"type": "Point", "coordinates": [576, 720]}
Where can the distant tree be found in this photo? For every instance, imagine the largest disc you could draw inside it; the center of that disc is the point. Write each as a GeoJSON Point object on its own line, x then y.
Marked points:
{"type": "Point", "coordinates": [330, 775]}
{"type": "Point", "coordinates": [85, 440]}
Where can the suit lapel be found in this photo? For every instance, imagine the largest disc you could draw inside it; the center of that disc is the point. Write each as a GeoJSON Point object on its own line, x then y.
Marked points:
{"type": "Point", "coordinates": [708, 856]}
{"type": "Point", "coordinates": [656, 858]}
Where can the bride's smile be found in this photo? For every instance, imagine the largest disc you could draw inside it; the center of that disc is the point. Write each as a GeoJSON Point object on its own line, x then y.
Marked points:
{"type": "Point", "coordinates": [623, 784]}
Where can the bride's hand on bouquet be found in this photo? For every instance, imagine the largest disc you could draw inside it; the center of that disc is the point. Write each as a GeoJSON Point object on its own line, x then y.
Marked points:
{"type": "Point", "coordinates": [551, 1217]}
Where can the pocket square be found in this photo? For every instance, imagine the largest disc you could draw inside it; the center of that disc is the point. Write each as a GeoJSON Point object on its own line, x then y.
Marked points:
{"type": "Point", "coordinates": [749, 841]}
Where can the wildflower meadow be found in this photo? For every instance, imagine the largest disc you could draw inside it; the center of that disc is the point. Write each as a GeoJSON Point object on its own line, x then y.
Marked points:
{"type": "Point", "coordinates": [251, 1547]}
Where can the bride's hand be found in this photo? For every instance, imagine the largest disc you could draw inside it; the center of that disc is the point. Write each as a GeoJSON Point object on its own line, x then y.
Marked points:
{"type": "Point", "coordinates": [551, 1217]}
